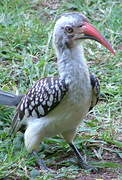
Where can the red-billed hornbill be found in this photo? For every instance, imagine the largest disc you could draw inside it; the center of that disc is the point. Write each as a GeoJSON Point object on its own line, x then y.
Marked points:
{"type": "Point", "coordinates": [56, 105]}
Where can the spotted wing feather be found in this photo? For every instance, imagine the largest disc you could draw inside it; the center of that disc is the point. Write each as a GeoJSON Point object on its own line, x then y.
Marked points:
{"type": "Point", "coordinates": [40, 100]}
{"type": "Point", "coordinates": [95, 90]}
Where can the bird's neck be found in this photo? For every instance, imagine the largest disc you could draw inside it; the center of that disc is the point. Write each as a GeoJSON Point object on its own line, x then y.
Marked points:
{"type": "Point", "coordinates": [71, 63]}
{"type": "Point", "coordinates": [74, 71]}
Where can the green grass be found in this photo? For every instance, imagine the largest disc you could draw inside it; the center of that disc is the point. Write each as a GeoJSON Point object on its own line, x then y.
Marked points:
{"type": "Point", "coordinates": [26, 55]}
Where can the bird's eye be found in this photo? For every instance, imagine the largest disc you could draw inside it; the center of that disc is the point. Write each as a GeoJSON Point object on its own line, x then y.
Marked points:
{"type": "Point", "coordinates": [80, 25]}
{"type": "Point", "coordinates": [69, 29]}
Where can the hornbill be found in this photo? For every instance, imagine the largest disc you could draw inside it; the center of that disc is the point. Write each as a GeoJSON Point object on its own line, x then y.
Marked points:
{"type": "Point", "coordinates": [57, 105]}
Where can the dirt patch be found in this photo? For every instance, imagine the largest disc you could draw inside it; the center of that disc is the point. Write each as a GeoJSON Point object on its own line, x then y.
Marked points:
{"type": "Point", "coordinates": [52, 4]}
{"type": "Point", "coordinates": [102, 175]}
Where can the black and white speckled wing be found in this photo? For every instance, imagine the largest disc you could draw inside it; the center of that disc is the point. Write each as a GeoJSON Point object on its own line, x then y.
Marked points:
{"type": "Point", "coordinates": [95, 90]}
{"type": "Point", "coordinates": [40, 100]}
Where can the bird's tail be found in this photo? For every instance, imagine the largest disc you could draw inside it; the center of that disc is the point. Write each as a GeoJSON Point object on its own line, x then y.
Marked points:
{"type": "Point", "coordinates": [9, 99]}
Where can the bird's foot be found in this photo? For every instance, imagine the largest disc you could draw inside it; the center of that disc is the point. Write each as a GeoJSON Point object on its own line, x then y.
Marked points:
{"type": "Point", "coordinates": [40, 162]}
{"type": "Point", "coordinates": [42, 165]}
{"type": "Point", "coordinates": [81, 161]}
{"type": "Point", "coordinates": [88, 167]}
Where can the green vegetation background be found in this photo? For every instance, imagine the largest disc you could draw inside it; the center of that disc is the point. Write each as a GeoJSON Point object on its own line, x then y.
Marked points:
{"type": "Point", "coordinates": [26, 55]}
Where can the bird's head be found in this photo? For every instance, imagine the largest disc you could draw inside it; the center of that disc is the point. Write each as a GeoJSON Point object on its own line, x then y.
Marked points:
{"type": "Point", "coordinates": [73, 27]}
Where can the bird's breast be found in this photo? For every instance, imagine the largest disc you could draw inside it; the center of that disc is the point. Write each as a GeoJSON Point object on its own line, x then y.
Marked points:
{"type": "Point", "coordinates": [80, 89]}
{"type": "Point", "coordinates": [71, 110]}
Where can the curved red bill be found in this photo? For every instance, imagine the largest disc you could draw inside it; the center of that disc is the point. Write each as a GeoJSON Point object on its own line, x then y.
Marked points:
{"type": "Point", "coordinates": [89, 29]}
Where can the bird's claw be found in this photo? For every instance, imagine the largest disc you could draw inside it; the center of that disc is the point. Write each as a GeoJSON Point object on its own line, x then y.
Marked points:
{"type": "Point", "coordinates": [89, 168]}
{"type": "Point", "coordinates": [42, 165]}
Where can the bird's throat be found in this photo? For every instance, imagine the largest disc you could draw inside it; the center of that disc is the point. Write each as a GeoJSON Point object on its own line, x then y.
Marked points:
{"type": "Point", "coordinates": [71, 63]}
{"type": "Point", "coordinates": [74, 70]}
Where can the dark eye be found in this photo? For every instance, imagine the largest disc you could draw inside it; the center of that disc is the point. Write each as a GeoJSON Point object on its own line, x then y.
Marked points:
{"type": "Point", "coordinates": [80, 25]}
{"type": "Point", "coordinates": [69, 29]}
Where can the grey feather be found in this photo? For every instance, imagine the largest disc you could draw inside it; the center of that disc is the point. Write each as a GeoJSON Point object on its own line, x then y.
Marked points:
{"type": "Point", "coordinates": [9, 99]}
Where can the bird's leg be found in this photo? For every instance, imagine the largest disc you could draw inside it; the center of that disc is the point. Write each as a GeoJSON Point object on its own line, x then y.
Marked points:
{"type": "Point", "coordinates": [82, 163]}
{"type": "Point", "coordinates": [69, 136]}
{"type": "Point", "coordinates": [33, 137]}
{"type": "Point", "coordinates": [40, 162]}
{"type": "Point", "coordinates": [79, 156]}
